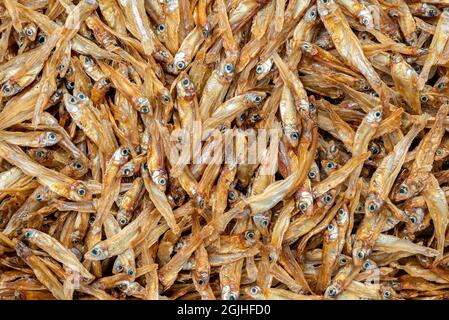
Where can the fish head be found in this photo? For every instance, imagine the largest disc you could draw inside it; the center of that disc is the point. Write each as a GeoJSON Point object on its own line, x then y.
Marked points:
{"type": "Point", "coordinates": [122, 218]}
{"type": "Point", "coordinates": [342, 215]}
{"type": "Point", "coordinates": [51, 138]}
{"type": "Point", "coordinates": [200, 279]}
{"type": "Point", "coordinates": [9, 88]}
{"type": "Point", "coordinates": [226, 68]}
{"type": "Point", "coordinates": [331, 232]}
{"type": "Point", "coordinates": [185, 87]}
{"type": "Point", "coordinates": [79, 192]}
{"type": "Point", "coordinates": [374, 116]}
{"type": "Point", "coordinates": [254, 292]}
{"type": "Point", "coordinates": [325, 7]}
{"type": "Point", "coordinates": [98, 252]}
{"type": "Point", "coordinates": [311, 15]}
{"type": "Point", "coordinates": [373, 203]}
{"type": "Point", "coordinates": [366, 19]}
{"type": "Point", "coordinates": [333, 290]}
{"type": "Point", "coordinates": [255, 98]}
{"type": "Point", "coordinates": [304, 201]}
{"type": "Point", "coordinates": [128, 169]}
{"type": "Point", "coordinates": [441, 153]}
{"type": "Point", "coordinates": [121, 156]}
{"type": "Point", "coordinates": [30, 234]}
{"type": "Point", "coordinates": [360, 252]}
{"type": "Point", "coordinates": [429, 10]}
{"type": "Point", "coordinates": [406, 190]}
{"type": "Point", "coordinates": [261, 222]}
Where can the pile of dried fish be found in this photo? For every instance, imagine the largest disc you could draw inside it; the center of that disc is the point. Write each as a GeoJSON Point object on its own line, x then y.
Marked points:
{"type": "Point", "coordinates": [224, 149]}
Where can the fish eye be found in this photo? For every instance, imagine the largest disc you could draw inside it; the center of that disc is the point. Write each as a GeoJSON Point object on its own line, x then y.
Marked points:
{"type": "Point", "coordinates": [181, 65]}
{"type": "Point", "coordinates": [372, 207]}
{"type": "Point", "coordinates": [330, 227]}
{"type": "Point", "coordinates": [70, 85]}
{"type": "Point", "coordinates": [254, 290]}
{"type": "Point", "coordinates": [327, 199]}
{"type": "Point", "coordinates": [61, 66]}
{"type": "Point", "coordinates": [243, 116]}
{"type": "Point", "coordinates": [265, 223]}
{"type": "Point", "coordinates": [106, 81]}
{"type": "Point", "coordinates": [164, 54]}
{"type": "Point", "coordinates": [294, 135]}
{"type": "Point", "coordinates": [41, 38]}
{"type": "Point", "coordinates": [343, 261]}
{"type": "Point", "coordinates": [387, 294]}
{"type": "Point", "coordinates": [200, 282]}
{"type": "Point", "coordinates": [119, 268]}
{"type": "Point", "coordinates": [206, 32]}
{"type": "Point", "coordinates": [256, 118]}
{"type": "Point", "coordinates": [306, 46]}
{"type": "Point", "coordinates": [366, 265]}
{"type": "Point", "coordinates": [249, 235]}
{"type": "Point", "coordinates": [72, 100]}
{"type": "Point", "coordinates": [324, 1]}
{"type": "Point", "coordinates": [82, 192]}
{"type": "Point", "coordinates": [257, 99]}
{"type": "Point", "coordinates": [303, 206]}
{"type": "Point", "coordinates": [424, 99]}
{"type": "Point", "coordinates": [28, 234]}
{"type": "Point", "coordinates": [332, 292]}
{"type": "Point", "coordinates": [311, 107]}
{"type": "Point", "coordinates": [185, 82]}
{"type": "Point", "coordinates": [360, 254]}
{"type": "Point", "coordinates": [145, 109]}
{"type": "Point", "coordinates": [259, 69]}
{"type": "Point", "coordinates": [377, 114]}
{"type": "Point", "coordinates": [440, 85]}
{"type": "Point", "coordinates": [51, 136]}
{"type": "Point", "coordinates": [88, 60]}
{"type": "Point", "coordinates": [431, 13]}
{"type": "Point", "coordinates": [91, 220]}
{"type": "Point", "coordinates": [330, 165]}
{"type": "Point", "coordinates": [123, 221]}
{"type": "Point", "coordinates": [130, 272]}
{"type": "Point", "coordinates": [365, 21]}
{"type": "Point", "coordinates": [201, 203]}
{"type": "Point", "coordinates": [232, 297]}
{"type": "Point", "coordinates": [161, 28]}
{"type": "Point", "coordinates": [96, 252]}
{"type": "Point", "coordinates": [127, 172]}
{"type": "Point", "coordinates": [29, 32]}
{"type": "Point", "coordinates": [403, 190]}
{"type": "Point", "coordinates": [394, 14]}
{"type": "Point", "coordinates": [231, 195]}
{"type": "Point", "coordinates": [312, 14]}
{"type": "Point", "coordinates": [341, 212]}
{"type": "Point", "coordinates": [375, 150]}
{"type": "Point", "coordinates": [7, 88]}
{"type": "Point", "coordinates": [165, 98]}
{"type": "Point", "coordinates": [312, 174]}
{"type": "Point", "coordinates": [78, 165]}
{"type": "Point", "coordinates": [413, 219]}
{"type": "Point", "coordinates": [229, 67]}
{"type": "Point", "coordinates": [39, 197]}
{"type": "Point", "coordinates": [39, 154]}
{"type": "Point", "coordinates": [145, 166]}
{"type": "Point", "coordinates": [162, 181]}
{"type": "Point", "coordinates": [124, 152]}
